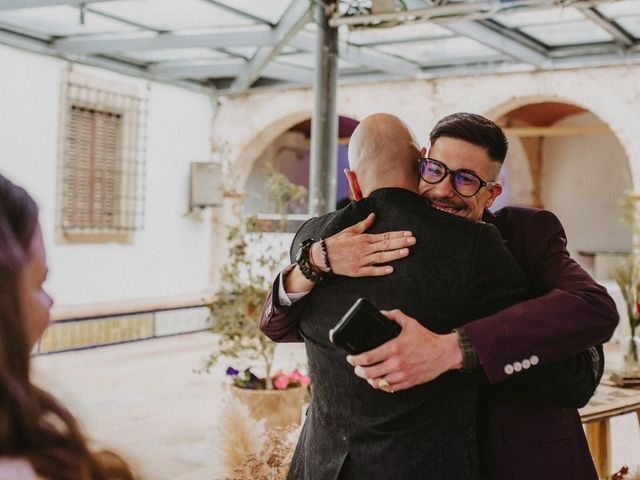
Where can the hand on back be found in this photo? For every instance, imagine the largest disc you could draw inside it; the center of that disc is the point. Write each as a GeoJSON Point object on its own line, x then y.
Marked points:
{"type": "Point", "coordinates": [354, 253]}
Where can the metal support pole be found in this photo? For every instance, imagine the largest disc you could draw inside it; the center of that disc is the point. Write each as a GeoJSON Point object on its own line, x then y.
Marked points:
{"type": "Point", "coordinates": [324, 123]}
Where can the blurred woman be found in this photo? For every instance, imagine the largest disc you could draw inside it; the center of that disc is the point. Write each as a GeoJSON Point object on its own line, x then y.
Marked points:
{"type": "Point", "coordinates": [39, 438]}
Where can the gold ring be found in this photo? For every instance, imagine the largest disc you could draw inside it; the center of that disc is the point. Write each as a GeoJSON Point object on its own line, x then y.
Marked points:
{"type": "Point", "coordinates": [384, 385]}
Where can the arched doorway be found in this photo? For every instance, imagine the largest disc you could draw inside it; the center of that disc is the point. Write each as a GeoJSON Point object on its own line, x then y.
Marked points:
{"type": "Point", "coordinates": [289, 154]}
{"type": "Point", "coordinates": [564, 158]}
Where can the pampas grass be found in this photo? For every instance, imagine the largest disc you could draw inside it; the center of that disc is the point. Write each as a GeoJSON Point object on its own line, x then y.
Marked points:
{"type": "Point", "coordinates": [247, 452]}
{"type": "Point", "coordinates": [627, 275]}
{"type": "Point", "coordinates": [239, 436]}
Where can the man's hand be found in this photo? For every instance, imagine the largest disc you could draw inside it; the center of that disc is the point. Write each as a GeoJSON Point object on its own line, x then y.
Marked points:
{"type": "Point", "coordinates": [354, 253]}
{"type": "Point", "coordinates": [415, 356]}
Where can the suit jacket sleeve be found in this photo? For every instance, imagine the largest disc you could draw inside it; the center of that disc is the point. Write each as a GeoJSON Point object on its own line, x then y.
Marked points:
{"type": "Point", "coordinates": [568, 383]}
{"type": "Point", "coordinates": [278, 322]}
{"type": "Point", "coordinates": [496, 279]}
{"type": "Point", "coordinates": [575, 313]}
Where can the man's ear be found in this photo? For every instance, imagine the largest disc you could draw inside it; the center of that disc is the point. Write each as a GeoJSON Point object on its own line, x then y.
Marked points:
{"type": "Point", "coordinates": [353, 184]}
{"type": "Point", "coordinates": [494, 192]}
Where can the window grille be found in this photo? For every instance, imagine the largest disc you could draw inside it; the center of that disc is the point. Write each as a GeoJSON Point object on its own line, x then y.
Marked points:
{"type": "Point", "coordinates": [102, 175]}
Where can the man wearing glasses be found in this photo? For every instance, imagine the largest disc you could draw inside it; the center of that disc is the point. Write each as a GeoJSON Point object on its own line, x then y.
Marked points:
{"type": "Point", "coordinates": [466, 183]}
{"type": "Point", "coordinates": [535, 356]}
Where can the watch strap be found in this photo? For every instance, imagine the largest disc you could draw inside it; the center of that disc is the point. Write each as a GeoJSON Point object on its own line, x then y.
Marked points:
{"type": "Point", "coordinates": [303, 261]}
{"type": "Point", "coordinates": [470, 359]}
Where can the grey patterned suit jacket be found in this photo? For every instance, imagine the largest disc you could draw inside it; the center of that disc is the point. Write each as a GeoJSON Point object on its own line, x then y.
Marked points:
{"type": "Point", "coordinates": [459, 270]}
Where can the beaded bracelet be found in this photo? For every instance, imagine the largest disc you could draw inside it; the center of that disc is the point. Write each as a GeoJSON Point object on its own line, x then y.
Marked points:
{"type": "Point", "coordinates": [325, 256]}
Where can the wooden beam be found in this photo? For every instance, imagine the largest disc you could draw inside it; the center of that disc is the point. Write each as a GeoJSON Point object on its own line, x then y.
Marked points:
{"type": "Point", "coordinates": [533, 150]}
{"type": "Point", "coordinates": [556, 131]}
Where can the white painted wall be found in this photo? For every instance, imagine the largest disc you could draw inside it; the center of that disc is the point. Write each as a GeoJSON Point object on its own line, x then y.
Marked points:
{"type": "Point", "coordinates": [584, 178]}
{"type": "Point", "coordinates": [171, 255]}
{"type": "Point", "coordinates": [515, 177]}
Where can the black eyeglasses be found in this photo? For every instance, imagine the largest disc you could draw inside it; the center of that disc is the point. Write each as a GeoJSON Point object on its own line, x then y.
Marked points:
{"type": "Point", "coordinates": [466, 183]}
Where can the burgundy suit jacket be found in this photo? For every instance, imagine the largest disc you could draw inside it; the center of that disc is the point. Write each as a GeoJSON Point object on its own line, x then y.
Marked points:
{"type": "Point", "coordinates": [523, 431]}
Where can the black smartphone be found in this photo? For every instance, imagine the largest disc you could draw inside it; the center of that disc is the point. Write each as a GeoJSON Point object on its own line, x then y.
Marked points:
{"type": "Point", "coordinates": [363, 328]}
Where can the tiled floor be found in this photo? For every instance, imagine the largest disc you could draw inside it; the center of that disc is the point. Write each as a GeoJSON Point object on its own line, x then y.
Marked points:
{"type": "Point", "coordinates": [143, 400]}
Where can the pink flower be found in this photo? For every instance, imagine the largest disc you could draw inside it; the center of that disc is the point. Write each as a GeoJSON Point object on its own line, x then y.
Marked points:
{"type": "Point", "coordinates": [294, 379]}
{"type": "Point", "coordinates": [296, 376]}
{"type": "Point", "coordinates": [281, 382]}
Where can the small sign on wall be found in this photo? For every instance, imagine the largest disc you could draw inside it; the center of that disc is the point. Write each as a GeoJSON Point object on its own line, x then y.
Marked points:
{"type": "Point", "coordinates": [206, 185]}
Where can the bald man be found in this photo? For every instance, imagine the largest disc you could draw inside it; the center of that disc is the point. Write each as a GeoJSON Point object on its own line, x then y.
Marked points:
{"type": "Point", "coordinates": [459, 270]}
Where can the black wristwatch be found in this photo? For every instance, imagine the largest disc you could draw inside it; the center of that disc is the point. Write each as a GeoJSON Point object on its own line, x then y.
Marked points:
{"type": "Point", "coordinates": [302, 259]}
{"type": "Point", "coordinates": [470, 360]}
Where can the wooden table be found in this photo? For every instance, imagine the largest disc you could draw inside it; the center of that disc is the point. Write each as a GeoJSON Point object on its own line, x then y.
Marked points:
{"type": "Point", "coordinates": [608, 401]}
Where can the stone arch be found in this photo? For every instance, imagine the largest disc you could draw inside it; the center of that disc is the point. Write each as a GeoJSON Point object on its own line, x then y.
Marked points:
{"type": "Point", "coordinates": [255, 145]}
{"type": "Point", "coordinates": [244, 156]}
{"type": "Point", "coordinates": [594, 107]}
{"type": "Point", "coordinates": [261, 147]}
{"type": "Point", "coordinates": [607, 109]}
{"type": "Point", "coordinates": [577, 183]}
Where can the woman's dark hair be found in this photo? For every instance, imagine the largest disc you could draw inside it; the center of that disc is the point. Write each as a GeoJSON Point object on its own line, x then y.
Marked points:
{"type": "Point", "coordinates": [33, 425]}
{"type": "Point", "coordinates": [475, 129]}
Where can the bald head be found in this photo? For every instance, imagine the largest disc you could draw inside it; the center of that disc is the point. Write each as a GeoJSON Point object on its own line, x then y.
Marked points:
{"type": "Point", "coordinates": [383, 152]}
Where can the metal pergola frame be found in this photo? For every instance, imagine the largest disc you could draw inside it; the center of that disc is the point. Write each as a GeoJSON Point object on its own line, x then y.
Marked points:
{"type": "Point", "coordinates": [310, 27]}
{"type": "Point", "coordinates": [267, 66]}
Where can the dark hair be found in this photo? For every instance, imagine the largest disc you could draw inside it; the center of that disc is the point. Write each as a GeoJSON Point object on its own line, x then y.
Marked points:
{"type": "Point", "coordinates": [475, 129]}
{"type": "Point", "coordinates": [33, 425]}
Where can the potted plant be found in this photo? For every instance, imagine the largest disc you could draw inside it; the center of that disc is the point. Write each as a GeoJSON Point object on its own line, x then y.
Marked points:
{"type": "Point", "coordinates": [252, 263]}
{"type": "Point", "coordinates": [627, 275]}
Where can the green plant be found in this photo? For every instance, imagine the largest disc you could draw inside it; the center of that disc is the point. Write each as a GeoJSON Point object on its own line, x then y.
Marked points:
{"type": "Point", "coordinates": [252, 262]}
{"type": "Point", "coordinates": [627, 274]}
{"type": "Point", "coordinates": [237, 304]}
{"type": "Point", "coordinates": [282, 193]}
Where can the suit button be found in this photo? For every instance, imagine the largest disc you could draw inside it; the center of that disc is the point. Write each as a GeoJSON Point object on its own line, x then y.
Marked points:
{"type": "Point", "coordinates": [508, 369]}
{"type": "Point", "coordinates": [517, 366]}
{"type": "Point", "coordinates": [526, 363]}
{"type": "Point", "coordinates": [534, 360]}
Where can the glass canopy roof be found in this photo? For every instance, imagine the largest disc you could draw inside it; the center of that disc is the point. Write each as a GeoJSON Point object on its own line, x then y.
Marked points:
{"type": "Point", "coordinates": [230, 46]}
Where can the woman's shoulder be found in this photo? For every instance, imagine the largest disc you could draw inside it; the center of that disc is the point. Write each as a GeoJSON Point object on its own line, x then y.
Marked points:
{"type": "Point", "coordinates": [12, 468]}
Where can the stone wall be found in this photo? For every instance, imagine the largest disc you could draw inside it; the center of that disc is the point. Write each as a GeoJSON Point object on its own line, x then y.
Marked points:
{"type": "Point", "coordinates": [249, 123]}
